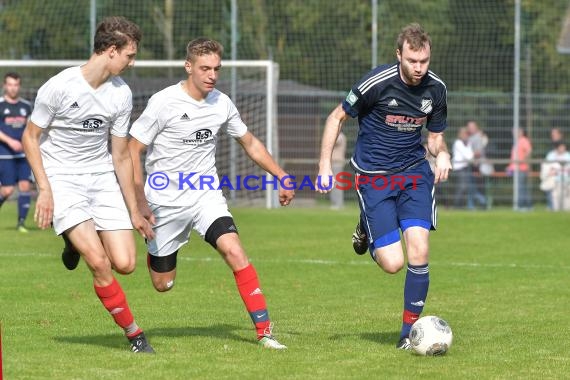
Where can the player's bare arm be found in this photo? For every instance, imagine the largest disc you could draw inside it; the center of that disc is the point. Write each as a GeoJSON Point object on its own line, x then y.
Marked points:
{"type": "Point", "coordinates": [124, 170]}
{"type": "Point", "coordinates": [44, 204]}
{"type": "Point", "coordinates": [14, 144]}
{"type": "Point", "coordinates": [136, 149]}
{"type": "Point", "coordinates": [333, 126]}
{"type": "Point", "coordinates": [437, 147]}
{"type": "Point", "coordinates": [259, 154]}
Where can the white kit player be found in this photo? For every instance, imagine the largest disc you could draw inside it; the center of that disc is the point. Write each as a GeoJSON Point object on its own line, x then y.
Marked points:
{"type": "Point", "coordinates": [66, 142]}
{"type": "Point", "coordinates": [180, 127]}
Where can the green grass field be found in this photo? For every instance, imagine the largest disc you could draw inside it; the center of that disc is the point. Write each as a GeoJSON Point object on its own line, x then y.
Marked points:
{"type": "Point", "coordinates": [499, 278]}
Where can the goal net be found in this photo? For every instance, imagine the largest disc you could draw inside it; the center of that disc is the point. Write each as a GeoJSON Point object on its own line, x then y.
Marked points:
{"type": "Point", "coordinates": [250, 84]}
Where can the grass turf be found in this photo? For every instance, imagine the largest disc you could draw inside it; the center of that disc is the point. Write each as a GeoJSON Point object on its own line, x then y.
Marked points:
{"type": "Point", "coordinates": [499, 278]}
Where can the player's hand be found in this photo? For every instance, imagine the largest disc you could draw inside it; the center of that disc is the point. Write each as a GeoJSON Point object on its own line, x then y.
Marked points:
{"type": "Point", "coordinates": [15, 145]}
{"type": "Point", "coordinates": [44, 209]}
{"type": "Point", "coordinates": [286, 190]}
{"type": "Point", "coordinates": [142, 225]}
{"type": "Point", "coordinates": [325, 180]}
{"type": "Point", "coordinates": [442, 167]}
{"type": "Point", "coordinates": [146, 212]}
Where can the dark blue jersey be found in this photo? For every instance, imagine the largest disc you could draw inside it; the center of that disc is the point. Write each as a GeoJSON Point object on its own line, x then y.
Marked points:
{"type": "Point", "coordinates": [13, 119]}
{"type": "Point", "coordinates": [391, 115]}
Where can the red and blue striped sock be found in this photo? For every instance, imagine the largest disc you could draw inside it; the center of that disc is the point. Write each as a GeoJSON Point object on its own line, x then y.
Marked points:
{"type": "Point", "coordinates": [253, 298]}
{"type": "Point", "coordinates": [415, 294]}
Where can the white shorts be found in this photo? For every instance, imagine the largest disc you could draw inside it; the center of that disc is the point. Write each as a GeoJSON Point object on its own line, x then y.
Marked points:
{"type": "Point", "coordinates": [80, 197]}
{"type": "Point", "coordinates": [174, 223]}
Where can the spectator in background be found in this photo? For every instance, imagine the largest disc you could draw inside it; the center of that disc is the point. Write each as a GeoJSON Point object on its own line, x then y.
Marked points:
{"type": "Point", "coordinates": [14, 168]}
{"type": "Point", "coordinates": [556, 136]}
{"type": "Point", "coordinates": [338, 161]}
{"type": "Point", "coordinates": [521, 151]}
{"type": "Point", "coordinates": [478, 141]}
{"type": "Point", "coordinates": [547, 181]}
{"type": "Point", "coordinates": [462, 156]}
{"type": "Point", "coordinates": [555, 177]}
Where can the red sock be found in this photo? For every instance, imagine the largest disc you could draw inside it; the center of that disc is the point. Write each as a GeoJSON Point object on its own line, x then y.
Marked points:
{"type": "Point", "coordinates": [250, 292]}
{"type": "Point", "coordinates": [114, 300]}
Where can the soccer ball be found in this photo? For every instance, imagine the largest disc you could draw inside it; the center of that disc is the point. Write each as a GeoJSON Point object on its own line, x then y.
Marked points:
{"type": "Point", "coordinates": [431, 336]}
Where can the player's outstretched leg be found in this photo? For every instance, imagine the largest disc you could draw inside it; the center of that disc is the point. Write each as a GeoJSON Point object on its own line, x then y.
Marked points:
{"type": "Point", "coordinates": [115, 301]}
{"type": "Point", "coordinates": [359, 240]}
{"type": "Point", "coordinates": [254, 300]}
{"type": "Point", "coordinates": [222, 235]}
{"type": "Point", "coordinates": [69, 255]}
{"type": "Point", "coordinates": [415, 294]}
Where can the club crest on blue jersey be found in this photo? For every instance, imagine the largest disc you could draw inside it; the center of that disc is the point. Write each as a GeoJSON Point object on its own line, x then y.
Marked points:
{"type": "Point", "coordinates": [426, 106]}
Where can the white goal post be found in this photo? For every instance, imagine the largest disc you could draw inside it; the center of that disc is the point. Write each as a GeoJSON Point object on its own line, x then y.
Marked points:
{"type": "Point", "coordinates": [252, 85]}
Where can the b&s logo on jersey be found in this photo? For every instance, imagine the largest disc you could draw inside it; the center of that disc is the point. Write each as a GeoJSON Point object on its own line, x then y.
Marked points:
{"type": "Point", "coordinates": [199, 137]}
{"type": "Point", "coordinates": [92, 123]}
{"type": "Point", "coordinates": [426, 106]}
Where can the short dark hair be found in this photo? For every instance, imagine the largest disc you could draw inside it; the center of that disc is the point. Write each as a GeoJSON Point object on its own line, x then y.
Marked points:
{"type": "Point", "coordinates": [203, 46]}
{"type": "Point", "coordinates": [13, 75]}
{"type": "Point", "coordinates": [115, 30]}
{"type": "Point", "coordinates": [415, 35]}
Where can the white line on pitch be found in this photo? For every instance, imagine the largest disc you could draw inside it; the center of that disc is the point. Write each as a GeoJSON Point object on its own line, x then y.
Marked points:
{"type": "Point", "coordinates": [364, 261]}
{"type": "Point", "coordinates": [369, 262]}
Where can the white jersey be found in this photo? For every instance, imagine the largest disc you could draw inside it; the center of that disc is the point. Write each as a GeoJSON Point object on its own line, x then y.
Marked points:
{"type": "Point", "coordinates": [181, 135]}
{"type": "Point", "coordinates": [77, 121]}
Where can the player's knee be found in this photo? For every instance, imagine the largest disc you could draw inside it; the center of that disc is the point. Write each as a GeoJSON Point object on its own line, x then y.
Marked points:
{"type": "Point", "coordinates": [162, 271]}
{"type": "Point", "coordinates": [163, 285]}
{"type": "Point", "coordinates": [7, 191]}
{"type": "Point", "coordinates": [418, 253]}
{"type": "Point", "coordinates": [235, 257]}
{"type": "Point", "coordinates": [390, 263]}
{"type": "Point", "coordinates": [234, 253]}
{"type": "Point", "coordinates": [391, 267]}
{"type": "Point", "coordinates": [99, 264]}
{"type": "Point", "coordinates": [24, 186]}
{"type": "Point", "coordinates": [124, 267]}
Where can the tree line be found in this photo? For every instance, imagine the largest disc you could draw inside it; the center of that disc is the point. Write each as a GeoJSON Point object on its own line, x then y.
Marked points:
{"type": "Point", "coordinates": [324, 43]}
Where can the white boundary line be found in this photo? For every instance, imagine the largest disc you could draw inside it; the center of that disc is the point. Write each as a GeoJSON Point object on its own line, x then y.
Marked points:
{"type": "Point", "coordinates": [365, 261]}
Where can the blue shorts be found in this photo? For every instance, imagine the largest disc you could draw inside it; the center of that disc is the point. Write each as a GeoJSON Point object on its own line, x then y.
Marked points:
{"type": "Point", "coordinates": [13, 170]}
{"type": "Point", "coordinates": [390, 203]}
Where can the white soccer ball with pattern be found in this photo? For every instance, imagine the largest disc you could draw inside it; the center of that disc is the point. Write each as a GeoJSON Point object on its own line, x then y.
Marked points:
{"type": "Point", "coordinates": [431, 336]}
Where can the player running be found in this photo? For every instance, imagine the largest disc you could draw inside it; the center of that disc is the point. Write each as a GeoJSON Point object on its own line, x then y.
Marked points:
{"type": "Point", "coordinates": [66, 142]}
{"type": "Point", "coordinates": [180, 127]}
{"type": "Point", "coordinates": [393, 102]}
{"type": "Point", "coordinates": [14, 169]}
